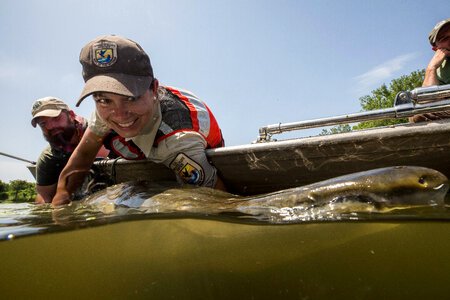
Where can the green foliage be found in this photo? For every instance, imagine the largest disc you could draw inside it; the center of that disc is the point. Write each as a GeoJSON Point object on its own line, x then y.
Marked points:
{"type": "Point", "coordinates": [18, 191]}
{"type": "Point", "coordinates": [3, 187]}
{"type": "Point", "coordinates": [337, 129]}
{"type": "Point", "coordinates": [383, 97]}
{"type": "Point", "coordinates": [18, 185]}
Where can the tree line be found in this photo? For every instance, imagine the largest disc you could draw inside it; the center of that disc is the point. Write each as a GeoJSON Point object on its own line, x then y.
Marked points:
{"type": "Point", "coordinates": [17, 191]}
{"type": "Point", "coordinates": [382, 97]}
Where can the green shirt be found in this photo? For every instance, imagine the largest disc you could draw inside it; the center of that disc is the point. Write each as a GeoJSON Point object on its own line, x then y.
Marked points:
{"type": "Point", "coordinates": [443, 72]}
{"type": "Point", "coordinates": [50, 164]}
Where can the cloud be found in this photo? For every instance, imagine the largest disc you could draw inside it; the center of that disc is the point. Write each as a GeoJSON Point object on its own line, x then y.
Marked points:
{"type": "Point", "coordinates": [382, 73]}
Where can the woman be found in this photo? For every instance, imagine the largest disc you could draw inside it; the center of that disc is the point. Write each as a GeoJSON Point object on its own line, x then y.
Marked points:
{"type": "Point", "coordinates": [138, 119]}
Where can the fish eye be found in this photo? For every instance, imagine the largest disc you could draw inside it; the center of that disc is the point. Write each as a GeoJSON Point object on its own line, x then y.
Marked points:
{"type": "Point", "coordinates": [421, 180]}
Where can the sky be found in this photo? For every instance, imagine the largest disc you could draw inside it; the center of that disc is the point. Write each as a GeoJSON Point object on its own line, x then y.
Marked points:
{"type": "Point", "coordinates": [253, 62]}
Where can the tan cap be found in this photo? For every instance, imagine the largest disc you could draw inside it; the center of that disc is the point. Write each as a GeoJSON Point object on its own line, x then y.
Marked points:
{"type": "Point", "coordinates": [434, 33]}
{"type": "Point", "coordinates": [47, 107]}
{"type": "Point", "coordinates": [117, 65]}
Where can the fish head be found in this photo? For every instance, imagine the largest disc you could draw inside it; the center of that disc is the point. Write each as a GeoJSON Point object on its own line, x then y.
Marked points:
{"type": "Point", "coordinates": [408, 185]}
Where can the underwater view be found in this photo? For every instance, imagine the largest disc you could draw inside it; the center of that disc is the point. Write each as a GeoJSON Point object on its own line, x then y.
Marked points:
{"type": "Point", "coordinates": [225, 150]}
{"type": "Point", "coordinates": [381, 233]}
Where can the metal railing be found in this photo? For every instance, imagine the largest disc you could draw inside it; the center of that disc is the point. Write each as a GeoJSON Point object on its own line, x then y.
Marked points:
{"type": "Point", "coordinates": [18, 158]}
{"type": "Point", "coordinates": [406, 105]}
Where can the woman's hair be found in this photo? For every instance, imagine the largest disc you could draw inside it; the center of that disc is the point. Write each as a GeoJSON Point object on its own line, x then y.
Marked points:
{"type": "Point", "coordinates": [152, 84]}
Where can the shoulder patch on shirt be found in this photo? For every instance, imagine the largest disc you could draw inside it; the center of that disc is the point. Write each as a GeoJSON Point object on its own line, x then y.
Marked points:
{"type": "Point", "coordinates": [187, 169]}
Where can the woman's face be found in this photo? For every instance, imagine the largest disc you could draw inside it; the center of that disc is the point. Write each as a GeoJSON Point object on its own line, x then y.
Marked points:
{"type": "Point", "coordinates": [125, 115]}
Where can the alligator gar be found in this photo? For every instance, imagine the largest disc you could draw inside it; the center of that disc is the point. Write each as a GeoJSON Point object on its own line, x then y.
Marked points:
{"type": "Point", "coordinates": [391, 187]}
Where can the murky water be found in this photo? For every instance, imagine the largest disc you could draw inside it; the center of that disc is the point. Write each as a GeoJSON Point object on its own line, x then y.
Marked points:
{"type": "Point", "coordinates": [191, 258]}
{"type": "Point", "coordinates": [134, 242]}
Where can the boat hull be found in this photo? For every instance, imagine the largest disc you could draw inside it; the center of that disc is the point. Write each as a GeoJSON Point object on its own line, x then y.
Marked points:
{"type": "Point", "coordinates": [272, 166]}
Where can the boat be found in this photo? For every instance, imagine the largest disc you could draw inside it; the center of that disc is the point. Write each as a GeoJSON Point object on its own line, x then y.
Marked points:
{"type": "Point", "coordinates": [268, 165]}
{"type": "Point", "coordinates": [162, 256]}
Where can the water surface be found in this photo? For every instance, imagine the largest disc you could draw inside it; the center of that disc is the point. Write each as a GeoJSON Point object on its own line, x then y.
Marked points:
{"type": "Point", "coordinates": [108, 247]}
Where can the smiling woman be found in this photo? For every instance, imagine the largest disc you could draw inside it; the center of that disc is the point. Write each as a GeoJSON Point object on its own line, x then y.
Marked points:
{"type": "Point", "coordinates": [126, 115]}
{"type": "Point", "coordinates": [136, 118]}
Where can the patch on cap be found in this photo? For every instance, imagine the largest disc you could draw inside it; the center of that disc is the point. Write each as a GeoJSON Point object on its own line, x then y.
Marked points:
{"type": "Point", "coordinates": [104, 53]}
{"type": "Point", "coordinates": [36, 106]}
{"type": "Point", "coordinates": [47, 107]}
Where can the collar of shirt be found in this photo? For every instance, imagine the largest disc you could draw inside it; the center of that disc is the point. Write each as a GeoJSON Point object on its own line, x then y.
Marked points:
{"type": "Point", "coordinates": [146, 137]}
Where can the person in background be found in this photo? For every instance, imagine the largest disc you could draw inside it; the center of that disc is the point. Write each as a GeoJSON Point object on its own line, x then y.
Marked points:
{"type": "Point", "coordinates": [438, 69]}
{"type": "Point", "coordinates": [63, 130]}
{"type": "Point", "coordinates": [137, 119]}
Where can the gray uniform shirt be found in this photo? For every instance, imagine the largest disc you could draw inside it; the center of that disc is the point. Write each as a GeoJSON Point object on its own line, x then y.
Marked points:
{"type": "Point", "coordinates": [182, 152]}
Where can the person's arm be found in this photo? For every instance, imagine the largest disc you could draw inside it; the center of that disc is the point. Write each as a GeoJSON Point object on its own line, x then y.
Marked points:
{"type": "Point", "coordinates": [431, 77]}
{"type": "Point", "coordinates": [188, 149]}
{"type": "Point", "coordinates": [74, 173]}
{"type": "Point", "coordinates": [48, 167]}
{"type": "Point", "coordinates": [45, 193]}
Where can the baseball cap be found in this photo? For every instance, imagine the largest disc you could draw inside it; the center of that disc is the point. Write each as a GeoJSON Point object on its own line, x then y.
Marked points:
{"type": "Point", "coordinates": [433, 34]}
{"type": "Point", "coordinates": [47, 107]}
{"type": "Point", "coordinates": [117, 65]}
